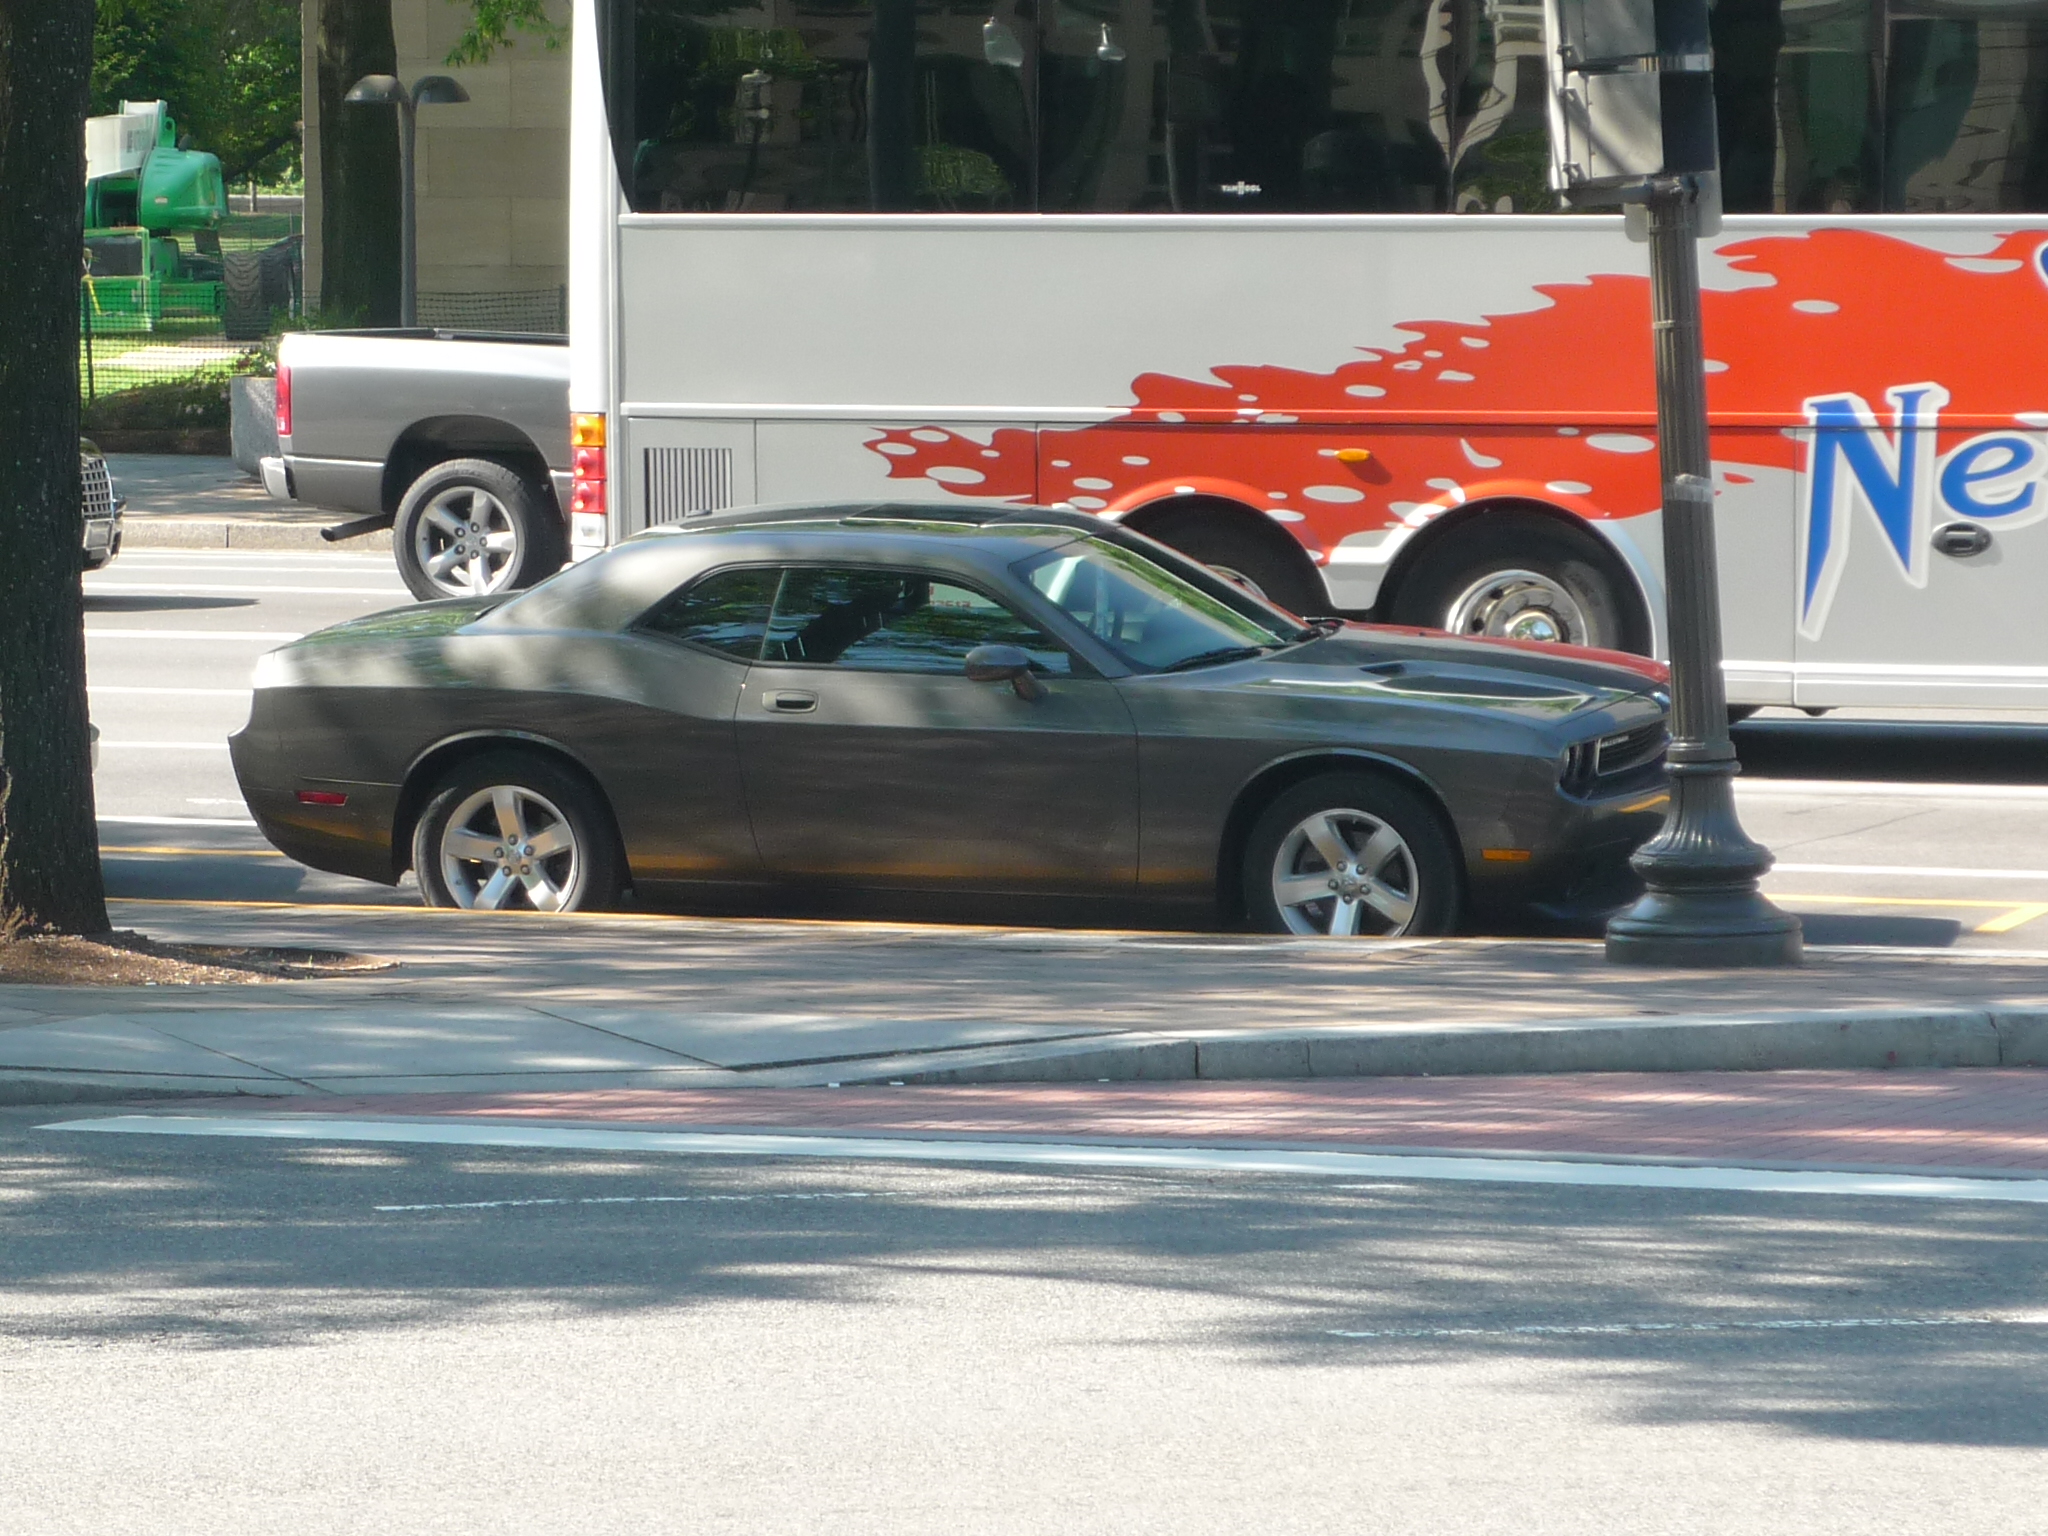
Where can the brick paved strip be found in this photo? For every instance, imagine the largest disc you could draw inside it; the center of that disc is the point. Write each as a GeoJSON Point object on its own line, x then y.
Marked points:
{"type": "Point", "coordinates": [1988, 1119]}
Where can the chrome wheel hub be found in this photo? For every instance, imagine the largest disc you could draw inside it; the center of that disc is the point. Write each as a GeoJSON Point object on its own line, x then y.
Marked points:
{"type": "Point", "coordinates": [466, 542]}
{"type": "Point", "coordinates": [1345, 873]}
{"type": "Point", "coordinates": [507, 847]}
{"type": "Point", "coordinates": [1519, 605]}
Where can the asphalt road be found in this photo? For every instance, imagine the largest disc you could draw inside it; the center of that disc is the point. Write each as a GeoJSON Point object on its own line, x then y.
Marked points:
{"type": "Point", "coordinates": [1895, 831]}
{"type": "Point", "coordinates": [204, 1335]}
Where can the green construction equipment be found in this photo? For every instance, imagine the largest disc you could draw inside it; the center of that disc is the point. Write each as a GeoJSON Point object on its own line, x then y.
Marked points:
{"type": "Point", "coordinates": [153, 212]}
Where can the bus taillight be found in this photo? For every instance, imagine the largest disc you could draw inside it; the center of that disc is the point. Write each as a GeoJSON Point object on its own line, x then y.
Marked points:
{"type": "Point", "coordinates": [587, 500]}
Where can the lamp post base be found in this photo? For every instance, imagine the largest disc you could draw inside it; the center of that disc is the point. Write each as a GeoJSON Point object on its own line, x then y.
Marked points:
{"type": "Point", "coordinates": [1724, 930]}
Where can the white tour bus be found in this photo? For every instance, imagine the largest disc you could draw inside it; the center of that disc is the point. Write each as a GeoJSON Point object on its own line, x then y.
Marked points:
{"type": "Point", "coordinates": [1279, 282]}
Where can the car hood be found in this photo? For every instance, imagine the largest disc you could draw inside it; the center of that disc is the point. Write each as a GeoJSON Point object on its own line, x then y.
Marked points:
{"type": "Point", "coordinates": [1540, 683]}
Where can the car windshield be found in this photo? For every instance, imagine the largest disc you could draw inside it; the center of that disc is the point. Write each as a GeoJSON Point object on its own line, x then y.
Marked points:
{"type": "Point", "coordinates": [1147, 615]}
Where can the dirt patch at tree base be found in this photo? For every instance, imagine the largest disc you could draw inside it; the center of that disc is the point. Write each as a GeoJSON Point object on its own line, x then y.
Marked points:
{"type": "Point", "coordinates": [129, 959]}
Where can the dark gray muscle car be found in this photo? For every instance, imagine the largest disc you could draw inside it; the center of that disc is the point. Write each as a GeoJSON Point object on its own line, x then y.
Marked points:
{"type": "Point", "coordinates": [1019, 701]}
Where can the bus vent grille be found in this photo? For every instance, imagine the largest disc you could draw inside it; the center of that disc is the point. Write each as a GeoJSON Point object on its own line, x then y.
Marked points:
{"type": "Point", "coordinates": [686, 482]}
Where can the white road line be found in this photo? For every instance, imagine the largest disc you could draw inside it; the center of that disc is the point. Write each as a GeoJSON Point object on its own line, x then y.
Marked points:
{"type": "Point", "coordinates": [270, 636]}
{"type": "Point", "coordinates": [1828, 789]}
{"type": "Point", "coordinates": [499, 1205]}
{"type": "Point", "coordinates": [1762, 1325]}
{"type": "Point", "coordinates": [115, 588]}
{"type": "Point", "coordinates": [1480, 1170]}
{"type": "Point", "coordinates": [165, 746]}
{"type": "Point", "coordinates": [1918, 871]}
{"type": "Point", "coordinates": [181, 693]}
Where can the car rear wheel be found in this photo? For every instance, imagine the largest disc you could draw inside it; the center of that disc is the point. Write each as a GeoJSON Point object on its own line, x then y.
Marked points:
{"type": "Point", "coordinates": [513, 832]}
{"type": "Point", "coordinates": [1519, 576]}
{"type": "Point", "coordinates": [1351, 855]}
{"type": "Point", "coordinates": [472, 528]}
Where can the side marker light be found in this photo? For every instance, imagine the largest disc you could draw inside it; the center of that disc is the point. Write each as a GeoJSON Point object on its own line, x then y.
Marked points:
{"type": "Point", "coordinates": [1505, 855]}
{"type": "Point", "coordinates": [322, 797]}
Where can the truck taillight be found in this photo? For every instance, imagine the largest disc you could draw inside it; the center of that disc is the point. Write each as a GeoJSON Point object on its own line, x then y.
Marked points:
{"type": "Point", "coordinates": [284, 401]}
{"type": "Point", "coordinates": [588, 530]}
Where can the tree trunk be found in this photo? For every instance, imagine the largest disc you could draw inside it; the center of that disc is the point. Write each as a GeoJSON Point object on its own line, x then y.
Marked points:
{"type": "Point", "coordinates": [49, 843]}
{"type": "Point", "coordinates": [358, 165]}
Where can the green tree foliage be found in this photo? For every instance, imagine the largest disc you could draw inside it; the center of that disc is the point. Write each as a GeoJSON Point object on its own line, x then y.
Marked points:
{"type": "Point", "coordinates": [229, 69]}
{"type": "Point", "coordinates": [492, 23]}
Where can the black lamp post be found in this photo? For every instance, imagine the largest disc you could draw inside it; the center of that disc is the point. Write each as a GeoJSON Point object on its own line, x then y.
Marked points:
{"type": "Point", "coordinates": [1632, 123]}
{"type": "Point", "coordinates": [428, 91]}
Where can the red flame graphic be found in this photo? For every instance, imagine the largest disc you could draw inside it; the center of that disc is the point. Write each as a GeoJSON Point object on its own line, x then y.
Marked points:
{"type": "Point", "coordinates": [1555, 401]}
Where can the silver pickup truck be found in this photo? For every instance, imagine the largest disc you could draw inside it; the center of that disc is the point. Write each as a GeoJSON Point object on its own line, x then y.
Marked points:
{"type": "Point", "coordinates": [457, 441]}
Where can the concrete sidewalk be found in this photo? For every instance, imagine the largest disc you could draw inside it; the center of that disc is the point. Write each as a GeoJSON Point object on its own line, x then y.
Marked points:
{"type": "Point", "coordinates": [193, 501]}
{"type": "Point", "coordinates": [498, 1002]}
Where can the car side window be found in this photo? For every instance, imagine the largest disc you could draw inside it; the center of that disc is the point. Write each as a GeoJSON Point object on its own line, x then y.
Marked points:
{"type": "Point", "coordinates": [726, 611]}
{"type": "Point", "coordinates": [888, 621]}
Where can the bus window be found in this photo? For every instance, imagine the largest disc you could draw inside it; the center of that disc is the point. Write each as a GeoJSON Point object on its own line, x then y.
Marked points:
{"type": "Point", "coordinates": [1290, 106]}
{"type": "Point", "coordinates": [1966, 107]}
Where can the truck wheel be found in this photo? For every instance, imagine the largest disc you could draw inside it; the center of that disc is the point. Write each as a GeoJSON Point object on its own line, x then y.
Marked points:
{"type": "Point", "coordinates": [243, 315]}
{"type": "Point", "coordinates": [1520, 576]}
{"type": "Point", "coordinates": [473, 527]}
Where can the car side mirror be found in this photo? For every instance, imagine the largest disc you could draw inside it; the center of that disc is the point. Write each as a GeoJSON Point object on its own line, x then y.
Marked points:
{"type": "Point", "coordinates": [1004, 664]}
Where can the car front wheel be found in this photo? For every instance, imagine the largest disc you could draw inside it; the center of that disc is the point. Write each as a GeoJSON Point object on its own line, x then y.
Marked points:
{"type": "Point", "coordinates": [1351, 855]}
{"type": "Point", "coordinates": [513, 832]}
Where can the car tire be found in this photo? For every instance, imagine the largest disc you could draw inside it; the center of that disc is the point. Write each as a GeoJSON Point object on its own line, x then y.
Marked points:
{"type": "Point", "coordinates": [1230, 545]}
{"type": "Point", "coordinates": [243, 314]}
{"type": "Point", "coordinates": [475, 528]}
{"type": "Point", "coordinates": [1519, 575]}
{"type": "Point", "coordinates": [1400, 881]}
{"type": "Point", "coordinates": [463, 855]}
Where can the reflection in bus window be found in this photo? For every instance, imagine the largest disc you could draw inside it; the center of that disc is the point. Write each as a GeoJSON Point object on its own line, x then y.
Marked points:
{"type": "Point", "coordinates": [1291, 106]}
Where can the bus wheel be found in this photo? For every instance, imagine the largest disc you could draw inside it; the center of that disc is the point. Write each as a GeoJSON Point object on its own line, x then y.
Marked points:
{"type": "Point", "coordinates": [1265, 563]}
{"type": "Point", "coordinates": [1518, 576]}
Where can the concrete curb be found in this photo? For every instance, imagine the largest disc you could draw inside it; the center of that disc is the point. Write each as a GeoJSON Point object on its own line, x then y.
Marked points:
{"type": "Point", "coordinates": [1829, 1039]}
{"type": "Point", "coordinates": [1758, 1042]}
{"type": "Point", "coordinates": [144, 532]}
{"type": "Point", "coordinates": [33, 1088]}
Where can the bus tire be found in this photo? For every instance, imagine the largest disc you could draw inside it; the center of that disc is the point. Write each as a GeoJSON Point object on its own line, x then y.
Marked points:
{"type": "Point", "coordinates": [1520, 575]}
{"type": "Point", "coordinates": [1266, 563]}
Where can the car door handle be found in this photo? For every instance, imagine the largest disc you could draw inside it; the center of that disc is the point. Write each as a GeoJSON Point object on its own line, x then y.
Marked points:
{"type": "Point", "coordinates": [789, 701]}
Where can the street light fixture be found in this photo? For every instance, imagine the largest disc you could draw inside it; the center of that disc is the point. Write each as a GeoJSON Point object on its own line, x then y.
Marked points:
{"type": "Point", "coordinates": [390, 91]}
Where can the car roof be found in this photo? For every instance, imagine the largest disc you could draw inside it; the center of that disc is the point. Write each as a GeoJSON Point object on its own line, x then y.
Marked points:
{"type": "Point", "coordinates": [963, 515]}
{"type": "Point", "coordinates": [609, 592]}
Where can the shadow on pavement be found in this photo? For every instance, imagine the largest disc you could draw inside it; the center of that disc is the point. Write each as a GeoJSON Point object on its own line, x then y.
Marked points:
{"type": "Point", "coordinates": [1882, 749]}
{"type": "Point", "coordinates": [1880, 932]}
{"type": "Point", "coordinates": [109, 602]}
{"type": "Point", "coordinates": [241, 1245]}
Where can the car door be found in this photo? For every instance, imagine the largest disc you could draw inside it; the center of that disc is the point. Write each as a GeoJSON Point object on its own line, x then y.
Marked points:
{"type": "Point", "coordinates": [664, 744]}
{"type": "Point", "coordinates": [868, 757]}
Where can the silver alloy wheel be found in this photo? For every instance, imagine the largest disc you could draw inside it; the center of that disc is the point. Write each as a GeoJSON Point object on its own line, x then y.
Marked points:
{"type": "Point", "coordinates": [504, 843]}
{"type": "Point", "coordinates": [1519, 605]}
{"type": "Point", "coordinates": [466, 542]}
{"type": "Point", "coordinates": [1344, 873]}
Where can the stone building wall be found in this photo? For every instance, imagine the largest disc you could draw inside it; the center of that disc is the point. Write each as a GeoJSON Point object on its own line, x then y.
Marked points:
{"type": "Point", "coordinates": [493, 172]}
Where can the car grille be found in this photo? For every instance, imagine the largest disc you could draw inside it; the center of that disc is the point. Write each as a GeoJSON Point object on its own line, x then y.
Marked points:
{"type": "Point", "coordinates": [99, 487]}
{"type": "Point", "coordinates": [1612, 765]}
{"type": "Point", "coordinates": [1629, 749]}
